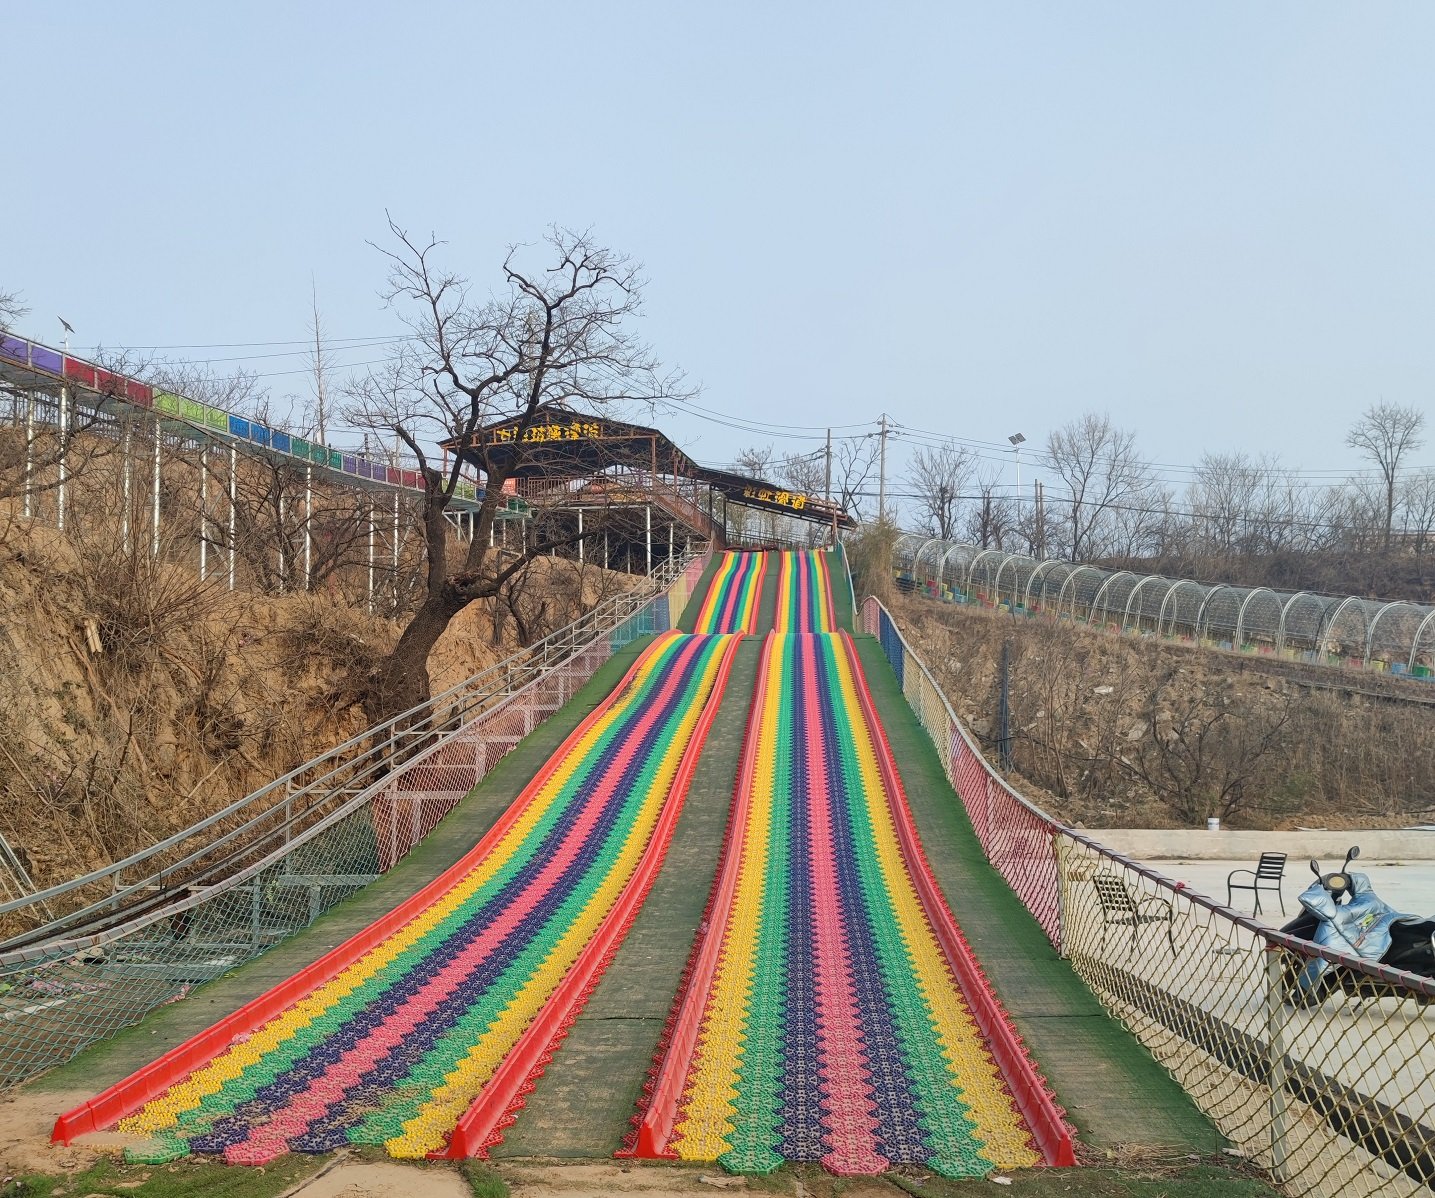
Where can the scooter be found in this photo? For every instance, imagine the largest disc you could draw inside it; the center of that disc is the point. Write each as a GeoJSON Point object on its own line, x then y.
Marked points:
{"type": "Point", "coordinates": [1341, 911]}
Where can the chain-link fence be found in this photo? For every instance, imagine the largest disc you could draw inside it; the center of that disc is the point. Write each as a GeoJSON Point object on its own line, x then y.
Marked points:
{"type": "Point", "coordinates": [1332, 1093]}
{"type": "Point", "coordinates": [1393, 636]}
{"type": "Point", "coordinates": [84, 959]}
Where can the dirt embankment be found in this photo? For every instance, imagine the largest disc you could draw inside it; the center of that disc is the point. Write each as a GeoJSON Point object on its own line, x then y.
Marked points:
{"type": "Point", "coordinates": [134, 699]}
{"type": "Point", "coordinates": [1124, 732]}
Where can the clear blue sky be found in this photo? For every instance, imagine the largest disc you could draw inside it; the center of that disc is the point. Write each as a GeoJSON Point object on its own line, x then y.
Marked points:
{"type": "Point", "coordinates": [1215, 221]}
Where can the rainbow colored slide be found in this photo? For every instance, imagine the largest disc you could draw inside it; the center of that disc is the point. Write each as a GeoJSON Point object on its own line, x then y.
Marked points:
{"type": "Point", "coordinates": [804, 593]}
{"type": "Point", "coordinates": [732, 600]}
{"type": "Point", "coordinates": [833, 1012]}
{"type": "Point", "coordinates": [420, 1033]}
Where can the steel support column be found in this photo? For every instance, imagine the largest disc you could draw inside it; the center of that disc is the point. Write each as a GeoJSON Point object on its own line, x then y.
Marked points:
{"type": "Point", "coordinates": [371, 556]}
{"type": "Point", "coordinates": [203, 511]}
{"type": "Point", "coordinates": [233, 504]}
{"type": "Point", "coordinates": [308, 528]}
{"type": "Point", "coordinates": [62, 462]}
{"type": "Point", "coordinates": [154, 490]}
{"type": "Point", "coordinates": [29, 506]}
{"type": "Point", "coordinates": [127, 476]}
{"type": "Point", "coordinates": [283, 557]}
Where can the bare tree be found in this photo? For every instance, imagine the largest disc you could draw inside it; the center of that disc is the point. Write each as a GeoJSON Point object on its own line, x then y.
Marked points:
{"type": "Point", "coordinates": [854, 461]}
{"type": "Point", "coordinates": [992, 516]}
{"type": "Point", "coordinates": [1099, 464]}
{"type": "Point", "coordinates": [755, 461]}
{"type": "Point", "coordinates": [321, 365]}
{"type": "Point", "coordinates": [11, 309]}
{"type": "Point", "coordinates": [1199, 752]}
{"type": "Point", "coordinates": [1385, 434]}
{"type": "Point", "coordinates": [1224, 494]}
{"type": "Point", "coordinates": [938, 477]}
{"type": "Point", "coordinates": [805, 472]}
{"type": "Point", "coordinates": [1417, 500]}
{"type": "Point", "coordinates": [557, 334]}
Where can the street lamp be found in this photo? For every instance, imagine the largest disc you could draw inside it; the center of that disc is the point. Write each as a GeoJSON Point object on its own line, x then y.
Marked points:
{"type": "Point", "coordinates": [1016, 439]}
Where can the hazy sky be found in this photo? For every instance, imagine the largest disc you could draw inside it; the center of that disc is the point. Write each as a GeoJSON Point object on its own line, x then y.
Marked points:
{"type": "Point", "coordinates": [1213, 220]}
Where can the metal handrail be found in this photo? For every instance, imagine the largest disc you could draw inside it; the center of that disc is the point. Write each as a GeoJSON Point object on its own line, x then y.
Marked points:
{"type": "Point", "coordinates": [418, 722]}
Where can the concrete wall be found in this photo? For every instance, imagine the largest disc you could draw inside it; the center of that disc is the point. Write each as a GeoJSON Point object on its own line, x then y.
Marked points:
{"type": "Point", "coordinates": [1190, 844]}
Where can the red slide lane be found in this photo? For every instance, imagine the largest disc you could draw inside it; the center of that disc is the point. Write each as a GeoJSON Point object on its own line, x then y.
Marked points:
{"type": "Point", "coordinates": [127, 1096]}
{"type": "Point", "coordinates": [481, 1126]}
{"type": "Point", "coordinates": [1051, 1131]}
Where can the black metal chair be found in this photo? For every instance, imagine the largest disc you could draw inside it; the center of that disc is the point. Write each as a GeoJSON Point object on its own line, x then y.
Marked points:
{"type": "Point", "coordinates": [1119, 908]}
{"type": "Point", "coordinates": [1267, 875]}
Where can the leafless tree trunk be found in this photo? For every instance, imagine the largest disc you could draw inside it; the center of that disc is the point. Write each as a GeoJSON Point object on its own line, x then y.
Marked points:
{"type": "Point", "coordinates": [1385, 434]}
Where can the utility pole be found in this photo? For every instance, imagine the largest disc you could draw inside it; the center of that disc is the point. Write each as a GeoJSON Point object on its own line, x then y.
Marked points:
{"type": "Point", "coordinates": [1040, 522]}
{"type": "Point", "coordinates": [882, 474]}
{"type": "Point", "coordinates": [827, 478]}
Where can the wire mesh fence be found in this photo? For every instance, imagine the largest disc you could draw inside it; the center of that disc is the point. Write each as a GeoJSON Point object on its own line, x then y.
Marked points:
{"type": "Point", "coordinates": [1332, 1090]}
{"type": "Point", "coordinates": [1393, 636]}
{"type": "Point", "coordinates": [85, 959]}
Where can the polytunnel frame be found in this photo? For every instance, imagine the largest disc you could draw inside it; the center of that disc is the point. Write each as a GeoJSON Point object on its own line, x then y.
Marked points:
{"type": "Point", "coordinates": [942, 566]}
{"type": "Point", "coordinates": [919, 538]}
{"type": "Point", "coordinates": [997, 581]}
{"type": "Point", "coordinates": [1166, 598]}
{"type": "Point", "coordinates": [1038, 581]}
{"type": "Point", "coordinates": [1035, 574]}
{"type": "Point", "coordinates": [1101, 590]}
{"type": "Point", "coordinates": [1281, 645]}
{"type": "Point", "coordinates": [1328, 621]}
{"type": "Point", "coordinates": [972, 565]}
{"type": "Point", "coordinates": [1374, 623]}
{"type": "Point", "coordinates": [1203, 626]}
{"type": "Point", "coordinates": [1419, 632]}
{"type": "Point", "coordinates": [1065, 582]}
{"type": "Point", "coordinates": [1241, 615]}
{"type": "Point", "coordinates": [1131, 598]}
{"type": "Point", "coordinates": [927, 544]}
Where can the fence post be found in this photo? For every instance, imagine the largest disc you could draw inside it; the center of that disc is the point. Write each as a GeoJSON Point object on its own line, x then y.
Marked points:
{"type": "Point", "coordinates": [1276, 1019]}
{"type": "Point", "coordinates": [1059, 850]}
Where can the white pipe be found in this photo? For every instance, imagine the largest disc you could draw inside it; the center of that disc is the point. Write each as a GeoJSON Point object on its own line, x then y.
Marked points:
{"type": "Point", "coordinates": [29, 451]}
{"type": "Point", "coordinates": [308, 521]}
{"type": "Point", "coordinates": [154, 491]}
{"type": "Point", "coordinates": [203, 512]}
{"type": "Point", "coordinates": [62, 462]}
{"type": "Point", "coordinates": [233, 483]}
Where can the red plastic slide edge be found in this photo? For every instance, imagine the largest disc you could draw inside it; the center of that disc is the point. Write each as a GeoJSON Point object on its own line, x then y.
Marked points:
{"type": "Point", "coordinates": [1033, 1099]}
{"type": "Point", "coordinates": [656, 1127]}
{"type": "Point", "coordinates": [474, 1134]}
{"type": "Point", "coordinates": [127, 1096]}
